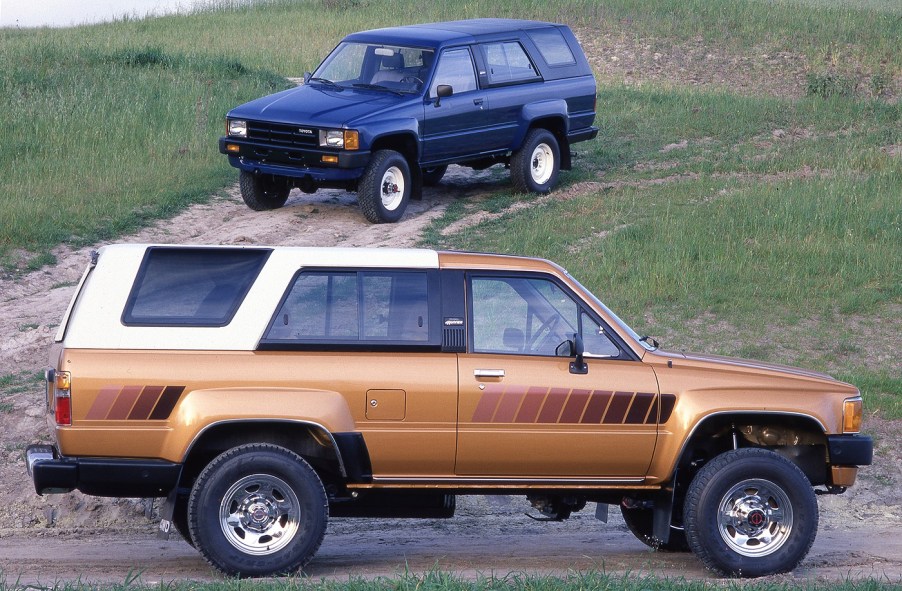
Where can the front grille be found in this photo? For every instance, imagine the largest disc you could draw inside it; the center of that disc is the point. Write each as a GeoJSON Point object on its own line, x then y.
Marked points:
{"type": "Point", "coordinates": [283, 135]}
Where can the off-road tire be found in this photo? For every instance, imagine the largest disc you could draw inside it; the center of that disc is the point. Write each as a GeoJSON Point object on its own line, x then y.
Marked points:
{"type": "Point", "coordinates": [258, 510]}
{"type": "Point", "coordinates": [750, 513]}
{"type": "Point", "coordinates": [535, 166]}
{"type": "Point", "coordinates": [384, 189]}
{"type": "Point", "coordinates": [640, 523]}
{"type": "Point", "coordinates": [262, 192]}
{"type": "Point", "coordinates": [433, 175]}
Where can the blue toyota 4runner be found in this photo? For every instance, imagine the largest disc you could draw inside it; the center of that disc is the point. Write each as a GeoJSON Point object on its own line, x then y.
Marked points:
{"type": "Point", "coordinates": [389, 109]}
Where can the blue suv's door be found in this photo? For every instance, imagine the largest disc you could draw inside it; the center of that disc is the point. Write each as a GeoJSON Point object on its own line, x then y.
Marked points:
{"type": "Point", "coordinates": [454, 125]}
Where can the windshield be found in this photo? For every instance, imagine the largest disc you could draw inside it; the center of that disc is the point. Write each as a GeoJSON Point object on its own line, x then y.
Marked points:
{"type": "Point", "coordinates": [377, 67]}
{"type": "Point", "coordinates": [616, 319]}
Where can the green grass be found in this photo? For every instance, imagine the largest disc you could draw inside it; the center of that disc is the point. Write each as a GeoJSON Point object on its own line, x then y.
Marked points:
{"type": "Point", "coordinates": [881, 391]}
{"type": "Point", "coordinates": [110, 126]}
{"type": "Point", "coordinates": [439, 580]}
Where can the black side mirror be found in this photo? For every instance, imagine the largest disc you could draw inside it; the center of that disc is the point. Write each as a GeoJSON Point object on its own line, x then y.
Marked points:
{"type": "Point", "coordinates": [578, 365]}
{"type": "Point", "coordinates": [442, 91]}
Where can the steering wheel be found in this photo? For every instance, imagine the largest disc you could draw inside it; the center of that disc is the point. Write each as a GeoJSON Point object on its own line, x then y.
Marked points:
{"type": "Point", "coordinates": [548, 325]}
{"type": "Point", "coordinates": [410, 79]}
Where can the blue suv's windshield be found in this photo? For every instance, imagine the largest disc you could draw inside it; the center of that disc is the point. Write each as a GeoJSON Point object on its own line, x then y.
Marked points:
{"type": "Point", "coordinates": [377, 67]}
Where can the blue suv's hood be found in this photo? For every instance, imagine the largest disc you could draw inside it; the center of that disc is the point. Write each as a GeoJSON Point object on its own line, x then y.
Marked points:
{"type": "Point", "coordinates": [319, 106]}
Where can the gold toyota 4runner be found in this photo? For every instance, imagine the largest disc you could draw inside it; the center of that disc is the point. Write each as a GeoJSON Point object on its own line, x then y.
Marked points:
{"type": "Point", "coordinates": [262, 390]}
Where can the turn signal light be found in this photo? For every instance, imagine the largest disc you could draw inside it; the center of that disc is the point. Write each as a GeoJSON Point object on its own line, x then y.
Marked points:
{"type": "Point", "coordinates": [330, 159]}
{"type": "Point", "coordinates": [352, 140]}
{"type": "Point", "coordinates": [851, 415]}
{"type": "Point", "coordinates": [235, 148]}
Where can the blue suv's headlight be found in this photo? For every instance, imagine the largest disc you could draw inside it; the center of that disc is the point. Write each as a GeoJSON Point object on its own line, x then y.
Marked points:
{"type": "Point", "coordinates": [346, 139]}
{"type": "Point", "coordinates": [237, 128]}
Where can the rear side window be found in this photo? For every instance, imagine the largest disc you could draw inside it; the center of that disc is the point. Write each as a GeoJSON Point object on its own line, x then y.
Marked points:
{"type": "Point", "coordinates": [191, 286]}
{"type": "Point", "coordinates": [507, 62]}
{"type": "Point", "coordinates": [354, 307]}
{"type": "Point", "coordinates": [553, 47]}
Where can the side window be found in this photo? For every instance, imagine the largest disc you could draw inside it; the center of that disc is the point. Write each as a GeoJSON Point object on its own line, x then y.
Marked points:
{"type": "Point", "coordinates": [507, 62]}
{"type": "Point", "coordinates": [553, 47]}
{"type": "Point", "coordinates": [519, 315]}
{"type": "Point", "coordinates": [191, 286]}
{"type": "Point", "coordinates": [354, 307]}
{"type": "Point", "coordinates": [595, 342]}
{"type": "Point", "coordinates": [455, 68]}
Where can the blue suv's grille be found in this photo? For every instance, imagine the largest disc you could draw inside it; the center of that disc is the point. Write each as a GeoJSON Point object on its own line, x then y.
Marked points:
{"type": "Point", "coordinates": [282, 135]}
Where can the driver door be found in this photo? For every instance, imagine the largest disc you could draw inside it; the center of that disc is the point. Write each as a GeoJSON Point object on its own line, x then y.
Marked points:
{"type": "Point", "coordinates": [523, 413]}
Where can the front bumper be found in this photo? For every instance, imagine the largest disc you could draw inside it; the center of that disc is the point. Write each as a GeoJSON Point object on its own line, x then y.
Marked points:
{"type": "Point", "coordinates": [101, 477]}
{"type": "Point", "coordinates": [253, 156]}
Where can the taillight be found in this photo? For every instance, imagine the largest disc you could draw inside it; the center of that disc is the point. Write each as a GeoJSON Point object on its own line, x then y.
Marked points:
{"type": "Point", "coordinates": [60, 384]}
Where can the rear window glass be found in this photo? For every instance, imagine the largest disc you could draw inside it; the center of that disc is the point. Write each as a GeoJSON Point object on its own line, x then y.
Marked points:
{"type": "Point", "coordinates": [553, 47]}
{"type": "Point", "coordinates": [354, 307]}
{"type": "Point", "coordinates": [191, 286]}
{"type": "Point", "coordinates": [507, 62]}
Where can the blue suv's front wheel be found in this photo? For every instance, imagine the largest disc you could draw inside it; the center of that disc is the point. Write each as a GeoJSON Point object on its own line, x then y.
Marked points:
{"type": "Point", "coordinates": [384, 188]}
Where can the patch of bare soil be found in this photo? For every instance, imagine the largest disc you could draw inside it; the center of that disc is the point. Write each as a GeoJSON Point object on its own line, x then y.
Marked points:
{"type": "Point", "coordinates": [96, 539]}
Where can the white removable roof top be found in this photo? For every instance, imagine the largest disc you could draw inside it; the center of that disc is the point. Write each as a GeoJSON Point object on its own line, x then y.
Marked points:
{"type": "Point", "coordinates": [95, 320]}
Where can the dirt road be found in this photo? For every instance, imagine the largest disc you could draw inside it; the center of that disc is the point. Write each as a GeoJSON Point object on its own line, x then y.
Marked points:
{"type": "Point", "coordinates": [488, 536]}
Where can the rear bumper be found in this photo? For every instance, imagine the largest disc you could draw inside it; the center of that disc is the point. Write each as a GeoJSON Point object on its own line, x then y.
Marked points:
{"type": "Point", "coordinates": [102, 477]}
{"type": "Point", "coordinates": [582, 135]}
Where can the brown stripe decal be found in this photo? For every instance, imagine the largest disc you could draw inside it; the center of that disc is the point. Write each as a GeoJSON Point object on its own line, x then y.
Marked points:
{"type": "Point", "coordinates": [487, 404]}
{"type": "Point", "coordinates": [510, 402]}
{"type": "Point", "coordinates": [668, 401]}
{"type": "Point", "coordinates": [573, 412]}
{"type": "Point", "coordinates": [551, 410]}
{"type": "Point", "coordinates": [618, 407]}
{"type": "Point", "coordinates": [163, 409]}
{"type": "Point", "coordinates": [105, 399]}
{"type": "Point", "coordinates": [529, 411]}
{"type": "Point", "coordinates": [124, 403]}
{"type": "Point", "coordinates": [534, 404]}
{"type": "Point", "coordinates": [639, 409]}
{"type": "Point", "coordinates": [597, 405]}
{"type": "Point", "coordinates": [145, 403]}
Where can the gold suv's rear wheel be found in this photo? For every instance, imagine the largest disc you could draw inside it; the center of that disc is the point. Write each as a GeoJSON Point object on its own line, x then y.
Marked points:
{"type": "Point", "coordinates": [258, 510]}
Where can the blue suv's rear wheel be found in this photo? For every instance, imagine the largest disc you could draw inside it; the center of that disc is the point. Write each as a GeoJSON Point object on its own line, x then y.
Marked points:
{"type": "Point", "coordinates": [535, 166]}
{"type": "Point", "coordinates": [384, 189]}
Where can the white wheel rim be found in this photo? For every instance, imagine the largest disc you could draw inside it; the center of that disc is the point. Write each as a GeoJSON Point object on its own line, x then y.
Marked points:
{"type": "Point", "coordinates": [392, 188]}
{"type": "Point", "coordinates": [260, 514]}
{"type": "Point", "coordinates": [541, 164]}
{"type": "Point", "coordinates": [755, 518]}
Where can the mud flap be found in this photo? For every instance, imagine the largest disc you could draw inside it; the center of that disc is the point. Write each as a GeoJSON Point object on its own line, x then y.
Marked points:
{"type": "Point", "coordinates": [662, 514]}
{"type": "Point", "coordinates": [601, 512]}
{"type": "Point", "coordinates": [166, 512]}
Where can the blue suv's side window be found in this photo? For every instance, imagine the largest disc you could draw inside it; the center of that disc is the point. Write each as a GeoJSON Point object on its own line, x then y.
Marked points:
{"type": "Point", "coordinates": [455, 68]}
{"type": "Point", "coordinates": [507, 62]}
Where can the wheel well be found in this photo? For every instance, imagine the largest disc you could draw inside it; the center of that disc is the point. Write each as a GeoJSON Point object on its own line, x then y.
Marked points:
{"type": "Point", "coordinates": [308, 441]}
{"type": "Point", "coordinates": [404, 143]}
{"type": "Point", "coordinates": [799, 438]}
{"type": "Point", "coordinates": [556, 126]}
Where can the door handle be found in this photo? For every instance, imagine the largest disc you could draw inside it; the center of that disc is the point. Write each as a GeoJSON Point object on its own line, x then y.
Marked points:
{"type": "Point", "coordinates": [488, 373]}
{"type": "Point", "coordinates": [478, 102]}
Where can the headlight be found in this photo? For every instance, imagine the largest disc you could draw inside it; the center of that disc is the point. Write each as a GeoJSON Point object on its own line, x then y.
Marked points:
{"type": "Point", "coordinates": [346, 139]}
{"type": "Point", "coordinates": [237, 128]}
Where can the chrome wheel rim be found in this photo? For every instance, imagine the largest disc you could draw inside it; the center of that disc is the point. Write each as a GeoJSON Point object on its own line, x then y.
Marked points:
{"type": "Point", "coordinates": [755, 518]}
{"type": "Point", "coordinates": [392, 188]}
{"type": "Point", "coordinates": [541, 164]}
{"type": "Point", "coordinates": [260, 514]}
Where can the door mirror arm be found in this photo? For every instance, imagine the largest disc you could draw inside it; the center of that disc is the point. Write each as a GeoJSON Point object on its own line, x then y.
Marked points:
{"type": "Point", "coordinates": [578, 365]}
